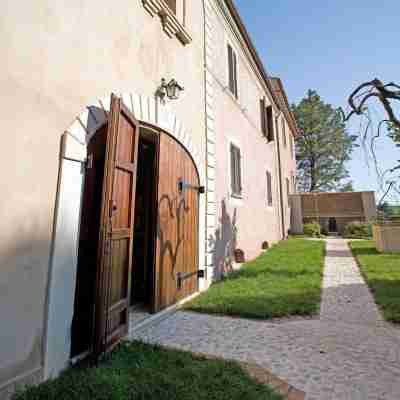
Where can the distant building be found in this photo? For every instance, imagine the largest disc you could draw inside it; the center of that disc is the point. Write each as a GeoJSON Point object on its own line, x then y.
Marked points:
{"type": "Point", "coordinates": [332, 210]}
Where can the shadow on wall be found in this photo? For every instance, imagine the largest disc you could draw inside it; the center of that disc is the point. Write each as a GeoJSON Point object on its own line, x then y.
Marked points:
{"type": "Point", "coordinates": [23, 279]}
{"type": "Point", "coordinates": [176, 210]}
{"type": "Point", "coordinates": [224, 243]}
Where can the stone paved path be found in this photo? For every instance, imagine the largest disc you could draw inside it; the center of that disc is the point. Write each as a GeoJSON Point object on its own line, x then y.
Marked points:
{"type": "Point", "coordinates": [349, 353]}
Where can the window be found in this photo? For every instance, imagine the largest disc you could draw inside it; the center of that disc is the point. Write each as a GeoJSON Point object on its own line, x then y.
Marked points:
{"type": "Point", "coordinates": [267, 124]}
{"type": "Point", "coordinates": [284, 133]}
{"type": "Point", "coordinates": [236, 172]}
{"type": "Point", "coordinates": [232, 71]}
{"type": "Point", "coordinates": [287, 188]}
{"type": "Point", "coordinates": [172, 15]}
{"type": "Point", "coordinates": [172, 5]}
{"type": "Point", "coordinates": [293, 183]}
{"type": "Point", "coordinates": [269, 189]}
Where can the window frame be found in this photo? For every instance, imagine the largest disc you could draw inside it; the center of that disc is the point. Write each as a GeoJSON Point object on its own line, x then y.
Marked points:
{"type": "Point", "coordinates": [287, 189]}
{"type": "Point", "coordinates": [236, 175]}
{"type": "Point", "coordinates": [270, 197]}
{"type": "Point", "coordinates": [267, 120]}
{"type": "Point", "coordinates": [172, 21]}
{"type": "Point", "coordinates": [233, 68]}
{"type": "Point", "coordinates": [269, 113]}
{"type": "Point", "coordinates": [283, 122]}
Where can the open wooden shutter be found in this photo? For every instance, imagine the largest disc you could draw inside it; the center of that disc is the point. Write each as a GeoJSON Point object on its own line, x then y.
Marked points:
{"type": "Point", "coordinates": [116, 229]}
{"type": "Point", "coordinates": [235, 79]}
{"type": "Point", "coordinates": [263, 116]}
{"type": "Point", "coordinates": [269, 189]}
{"type": "Point", "coordinates": [230, 69]}
{"type": "Point", "coordinates": [270, 124]}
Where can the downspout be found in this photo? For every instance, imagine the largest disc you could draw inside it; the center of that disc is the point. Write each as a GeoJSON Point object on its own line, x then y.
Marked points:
{"type": "Point", "coordinates": [205, 136]}
{"type": "Point", "coordinates": [280, 177]}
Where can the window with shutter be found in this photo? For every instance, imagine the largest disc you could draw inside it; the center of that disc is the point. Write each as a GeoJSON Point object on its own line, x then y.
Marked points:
{"type": "Point", "coordinates": [236, 172]}
{"type": "Point", "coordinates": [269, 189]}
{"type": "Point", "coordinates": [263, 117]}
{"type": "Point", "coordinates": [232, 71]}
{"type": "Point", "coordinates": [284, 133]}
{"type": "Point", "coordinates": [287, 188]}
{"type": "Point", "coordinates": [270, 124]}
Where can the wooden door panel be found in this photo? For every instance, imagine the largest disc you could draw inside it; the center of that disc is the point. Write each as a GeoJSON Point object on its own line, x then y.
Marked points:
{"type": "Point", "coordinates": [177, 227]}
{"type": "Point", "coordinates": [117, 222]}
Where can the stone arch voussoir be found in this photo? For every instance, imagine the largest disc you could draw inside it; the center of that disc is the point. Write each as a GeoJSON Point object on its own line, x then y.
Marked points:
{"type": "Point", "coordinates": [145, 109]}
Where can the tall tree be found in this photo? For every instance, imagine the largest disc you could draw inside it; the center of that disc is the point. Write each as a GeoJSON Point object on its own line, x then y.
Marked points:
{"type": "Point", "coordinates": [323, 146]}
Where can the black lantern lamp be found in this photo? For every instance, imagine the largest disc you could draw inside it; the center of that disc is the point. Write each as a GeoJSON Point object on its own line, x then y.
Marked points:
{"type": "Point", "coordinates": [172, 90]}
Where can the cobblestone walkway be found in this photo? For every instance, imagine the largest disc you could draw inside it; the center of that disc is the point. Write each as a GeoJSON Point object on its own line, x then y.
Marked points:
{"type": "Point", "coordinates": [349, 353]}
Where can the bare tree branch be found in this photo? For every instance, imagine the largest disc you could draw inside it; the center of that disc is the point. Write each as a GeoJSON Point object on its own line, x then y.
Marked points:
{"type": "Point", "coordinates": [376, 89]}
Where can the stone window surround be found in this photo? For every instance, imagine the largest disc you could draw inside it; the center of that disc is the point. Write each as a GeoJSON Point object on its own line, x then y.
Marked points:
{"type": "Point", "coordinates": [170, 23]}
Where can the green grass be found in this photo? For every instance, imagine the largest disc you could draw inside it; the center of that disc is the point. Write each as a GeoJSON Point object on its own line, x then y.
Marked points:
{"type": "Point", "coordinates": [284, 281]}
{"type": "Point", "coordinates": [144, 372]}
{"type": "Point", "coordinates": [382, 273]}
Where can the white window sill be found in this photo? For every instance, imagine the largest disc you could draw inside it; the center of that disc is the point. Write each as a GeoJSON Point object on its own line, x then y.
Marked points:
{"type": "Point", "coordinates": [172, 27]}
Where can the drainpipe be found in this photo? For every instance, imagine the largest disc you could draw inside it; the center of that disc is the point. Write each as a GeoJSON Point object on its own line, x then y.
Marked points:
{"type": "Point", "coordinates": [278, 147]}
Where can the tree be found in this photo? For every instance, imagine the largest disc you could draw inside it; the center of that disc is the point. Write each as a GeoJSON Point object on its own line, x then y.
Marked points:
{"type": "Point", "coordinates": [347, 187]}
{"type": "Point", "coordinates": [323, 146]}
{"type": "Point", "coordinates": [388, 96]}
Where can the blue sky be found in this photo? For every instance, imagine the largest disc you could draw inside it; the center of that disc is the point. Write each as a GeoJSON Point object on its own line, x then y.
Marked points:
{"type": "Point", "coordinates": [331, 47]}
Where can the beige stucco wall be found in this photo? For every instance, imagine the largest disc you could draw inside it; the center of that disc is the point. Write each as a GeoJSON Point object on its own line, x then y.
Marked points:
{"type": "Point", "coordinates": [238, 121]}
{"type": "Point", "coordinates": [57, 58]}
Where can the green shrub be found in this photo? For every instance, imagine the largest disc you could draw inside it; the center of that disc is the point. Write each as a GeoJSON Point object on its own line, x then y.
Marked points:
{"type": "Point", "coordinates": [312, 229]}
{"type": "Point", "coordinates": [358, 230]}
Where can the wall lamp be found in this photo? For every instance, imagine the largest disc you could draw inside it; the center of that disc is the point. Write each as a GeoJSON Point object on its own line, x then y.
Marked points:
{"type": "Point", "coordinates": [172, 90]}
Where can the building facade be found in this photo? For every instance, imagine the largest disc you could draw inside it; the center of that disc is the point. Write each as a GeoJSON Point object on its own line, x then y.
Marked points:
{"type": "Point", "coordinates": [333, 211]}
{"type": "Point", "coordinates": [116, 186]}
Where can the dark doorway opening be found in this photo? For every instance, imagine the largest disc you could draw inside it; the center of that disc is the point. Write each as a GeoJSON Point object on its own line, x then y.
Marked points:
{"type": "Point", "coordinates": [332, 225]}
{"type": "Point", "coordinates": [83, 319]}
{"type": "Point", "coordinates": [142, 293]}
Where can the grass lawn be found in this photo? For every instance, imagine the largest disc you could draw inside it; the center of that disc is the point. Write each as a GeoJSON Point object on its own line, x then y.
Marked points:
{"type": "Point", "coordinates": [284, 281]}
{"type": "Point", "coordinates": [382, 273]}
{"type": "Point", "coordinates": [144, 372]}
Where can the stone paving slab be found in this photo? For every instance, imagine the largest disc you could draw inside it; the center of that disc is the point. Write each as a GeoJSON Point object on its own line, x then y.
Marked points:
{"type": "Point", "coordinates": [348, 353]}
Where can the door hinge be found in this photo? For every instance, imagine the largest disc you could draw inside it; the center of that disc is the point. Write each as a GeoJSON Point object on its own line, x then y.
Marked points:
{"type": "Point", "coordinates": [180, 277]}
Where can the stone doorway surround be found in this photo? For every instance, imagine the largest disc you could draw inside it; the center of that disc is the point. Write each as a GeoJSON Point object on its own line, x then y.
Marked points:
{"type": "Point", "coordinates": [63, 264]}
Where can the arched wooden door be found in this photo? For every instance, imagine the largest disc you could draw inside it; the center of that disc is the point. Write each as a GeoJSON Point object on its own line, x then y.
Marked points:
{"type": "Point", "coordinates": [176, 250]}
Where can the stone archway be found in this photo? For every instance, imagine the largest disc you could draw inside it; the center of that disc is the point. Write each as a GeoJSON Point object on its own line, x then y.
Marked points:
{"type": "Point", "coordinates": [63, 264]}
